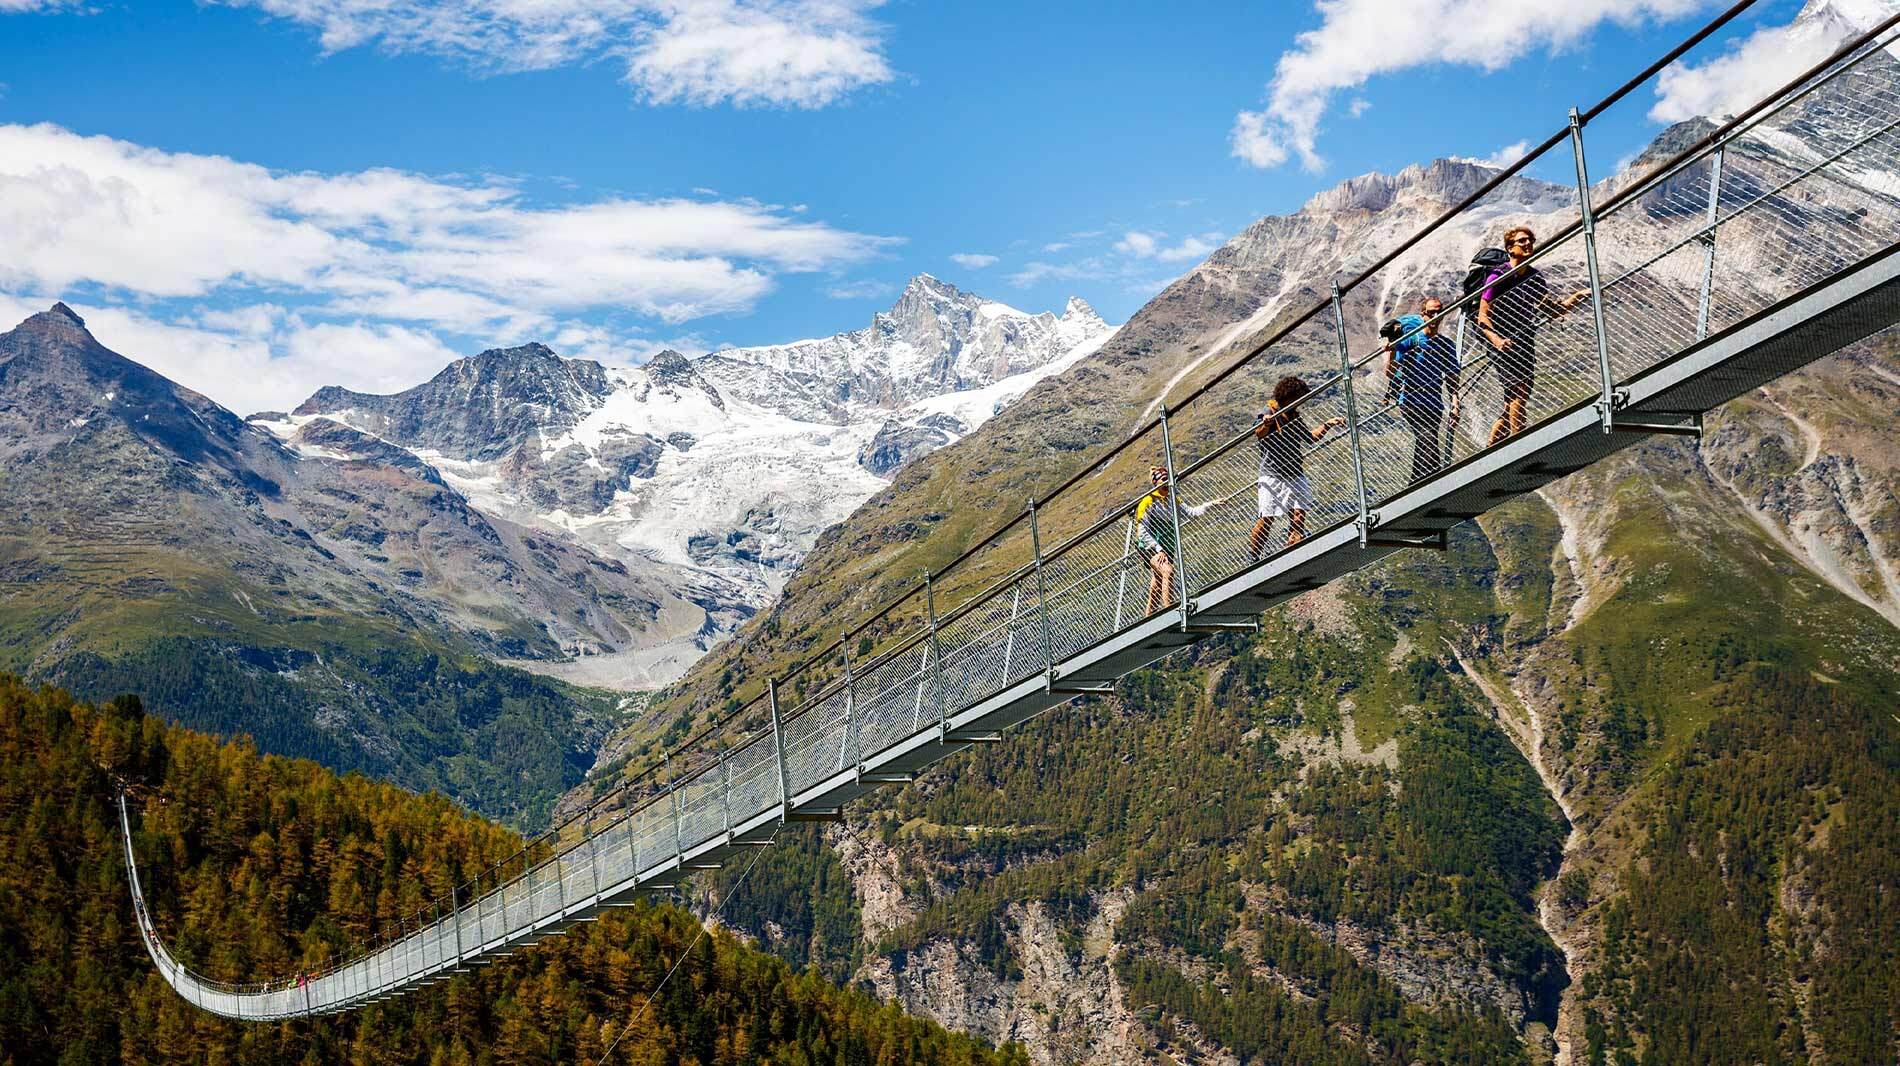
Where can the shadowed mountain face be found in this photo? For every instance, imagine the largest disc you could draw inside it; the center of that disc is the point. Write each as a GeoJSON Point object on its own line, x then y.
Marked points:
{"type": "Point", "coordinates": [342, 605]}
{"type": "Point", "coordinates": [1484, 806]}
{"type": "Point", "coordinates": [57, 380]}
{"type": "Point", "coordinates": [479, 407]}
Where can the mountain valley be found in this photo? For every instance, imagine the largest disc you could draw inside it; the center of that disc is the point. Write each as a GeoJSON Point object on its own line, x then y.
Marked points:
{"type": "Point", "coordinates": [445, 588]}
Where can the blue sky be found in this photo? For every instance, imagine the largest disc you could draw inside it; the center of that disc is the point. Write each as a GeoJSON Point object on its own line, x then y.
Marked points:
{"type": "Point", "coordinates": [263, 197]}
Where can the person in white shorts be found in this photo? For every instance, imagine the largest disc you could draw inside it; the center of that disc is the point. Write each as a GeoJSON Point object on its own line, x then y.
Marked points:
{"type": "Point", "coordinates": [1282, 437]}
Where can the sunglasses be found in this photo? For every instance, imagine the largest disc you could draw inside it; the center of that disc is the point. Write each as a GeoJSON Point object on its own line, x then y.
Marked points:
{"type": "Point", "coordinates": [1522, 240]}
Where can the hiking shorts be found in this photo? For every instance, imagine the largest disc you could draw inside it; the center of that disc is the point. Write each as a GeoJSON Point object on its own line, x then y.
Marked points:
{"type": "Point", "coordinates": [1280, 497]}
{"type": "Point", "coordinates": [1517, 369]}
{"type": "Point", "coordinates": [1152, 545]}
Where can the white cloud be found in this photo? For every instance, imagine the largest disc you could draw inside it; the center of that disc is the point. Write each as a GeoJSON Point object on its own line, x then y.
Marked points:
{"type": "Point", "coordinates": [606, 346]}
{"type": "Point", "coordinates": [780, 53]}
{"type": "Point", "coordinates": [1501, 158]}
{"type": "Point", "coordinates": [1759, 63]}
{"type": "Point", "coordinates": [254, 284]}
{"type": "Point", "coordinates": [973, 260]}
{"type": "Point", "coordinates": [1356, 41]}
{"type": "Point", "coordinates": [1359, 106]}
{"type": "Point", "coordinates": [381, 357]}
{"type": "Point", "coordinates": [799, 53]}
{"type": "Point", "coordinates": [866, 289]}
{"type": "Point", "coordinates": [92, 209]}
{"type": "Point", "coordinates": [1191, 248]}
{"type": "Point", "coordinates": [1132, 263]}
{"type": "Point", "coordinates": [1151, 246]}
{"type": "Point", "coordinates": [1138, 244]}
{"type": "Point", "coordinates": [257, 358]}
{"type": "Point", "coordinates": [1037, 272]}
{"type": "Point", "coordinates": [1256, 141]}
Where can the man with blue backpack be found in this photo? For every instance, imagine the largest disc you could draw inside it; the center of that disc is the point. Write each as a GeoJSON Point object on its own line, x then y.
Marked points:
{"type": "Point", "coordinates": [1422, 366]}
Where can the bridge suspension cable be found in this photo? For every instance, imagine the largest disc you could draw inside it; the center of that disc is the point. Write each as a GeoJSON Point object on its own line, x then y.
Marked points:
{"type": "Point", "coordinates": [1771, 241]}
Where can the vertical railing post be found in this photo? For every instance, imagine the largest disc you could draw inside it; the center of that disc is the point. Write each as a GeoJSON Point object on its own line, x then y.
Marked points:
{"type": "Point", "coordinates": [1042, 596]}
{"type": "Point", "coordinates": [525, 890]}
{"type": "Point", "coordinates": [1174, 516]}
{"type": "Point", "coordinates": [923, 677]}
{"type": "Point", "coordinates": [456, 907]}
{"type": "Point", "coordinates": [1609, 402]}
{"type": "Point", "coordinates": [1708, 244]}
{"type": "Point", "coordinates": [673, 797]}
{"type": "Point", "coordinates": [778, 742]}
{"type": "Point", "coordinates": [849, 741]}
{"type": "Point", "coordinates": [527, 877]}
{"type": "Point", "coordinates": [1366, 518]}
{"type": "Point", "coordinates": [1451, 422]}
{"type": "Point", "coordinates": [725, 773]}
{"type": "Point", "coordinates": [508, 923]}
{"type": "Point", "coordinates": [936, 658]}
{"type": "Point", "coordinates": [501, 902]}
{"type": "Point", "coordinates": [1121, 582]}
{"type": "Point", "coordinates": [1009, 634]}
{"type": "Point", "coordinates": [593, 862]}
{"type": "Point", "coordinates": [482, 906]}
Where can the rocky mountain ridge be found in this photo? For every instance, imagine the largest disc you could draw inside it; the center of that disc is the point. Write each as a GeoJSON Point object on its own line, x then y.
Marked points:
{"type": "Point", "coordinates": [936, 339]}
{"type": "Point", "coordinates": [315, 594]}
{"type": "Point", "coordinates": [711, 476]}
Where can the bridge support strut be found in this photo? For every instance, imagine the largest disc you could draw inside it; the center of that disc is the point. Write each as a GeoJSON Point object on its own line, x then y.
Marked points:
{"type": "Point", "coordinates": [1611, 399]}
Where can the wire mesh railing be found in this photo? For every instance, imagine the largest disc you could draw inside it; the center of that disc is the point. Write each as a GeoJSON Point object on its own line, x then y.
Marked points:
{"type": "Point", "coordinates": [1776, 200]}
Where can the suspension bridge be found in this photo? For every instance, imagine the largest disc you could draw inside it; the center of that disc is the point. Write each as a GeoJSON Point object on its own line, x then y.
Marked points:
{"type": "Point", "coordinates": [1770, 241]}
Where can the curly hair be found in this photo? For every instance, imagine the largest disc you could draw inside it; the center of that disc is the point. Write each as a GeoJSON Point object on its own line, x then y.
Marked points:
{"type": "Point", "coordinates": [1515, 230]}
{"type": "Point", "coordinates": [1289, 390]}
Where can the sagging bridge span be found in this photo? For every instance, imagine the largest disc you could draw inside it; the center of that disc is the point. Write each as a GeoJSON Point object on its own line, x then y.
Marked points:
{"type": "Point", "coordinates": [1770, 242]}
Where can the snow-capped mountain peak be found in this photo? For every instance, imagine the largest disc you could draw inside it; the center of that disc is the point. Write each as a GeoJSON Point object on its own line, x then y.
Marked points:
{"type": "Point", "coordinates": [1078, 310]}
{"type": "Point", "coordinates": [1844, 18]}
{"type": "Point", "coordinates": [935, 339]}
{"type": "Point", "coordinates": [720, 470]}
